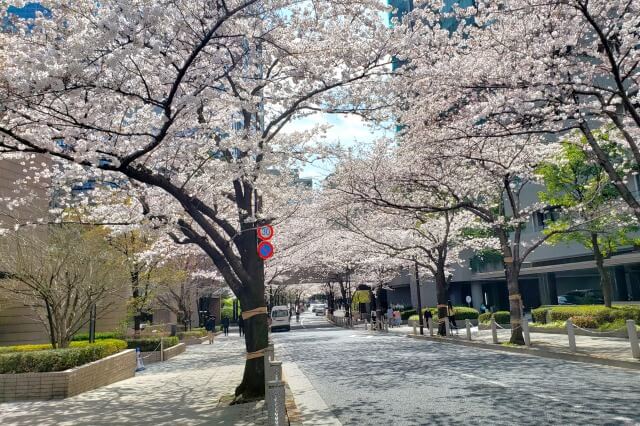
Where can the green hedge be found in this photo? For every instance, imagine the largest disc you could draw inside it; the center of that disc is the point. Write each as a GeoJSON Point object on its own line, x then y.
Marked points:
{"type": "Point", "coordinates": [192, 333]}
{"type": "Point", "coordinates": [99, 336]}
{"type": "Point", "coordinates": [461, 313]}
{"type": "Point", "coordinates": [540, 314]}
{"type": "Point", "coordinates": [47, 346]}
{"type": "Point", "coordinates": [151, 344]}
{"type": "Point", "coordinates": [501, 317]}
{"type": "Point", "coordinates": [405, 315]}
{"type": "Point", "coordinates": [599, 313]}
{"type": "Point", "coordinates": [592, 315]}
{"type": "Point", "coordinates": [42, 361]}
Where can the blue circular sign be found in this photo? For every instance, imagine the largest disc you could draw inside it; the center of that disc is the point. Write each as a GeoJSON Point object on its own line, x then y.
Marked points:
{"type": "Point", "coordinates": [265, 250]}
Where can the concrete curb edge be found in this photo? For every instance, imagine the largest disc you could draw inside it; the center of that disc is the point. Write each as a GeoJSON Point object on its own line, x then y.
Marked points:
{"type": "Point", "coordinates": [632, 365]}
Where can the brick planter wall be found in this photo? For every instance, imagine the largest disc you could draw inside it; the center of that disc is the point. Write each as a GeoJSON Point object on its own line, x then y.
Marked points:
{"type": "Point", "coordinates": [63, 384]}
{"type": "Point", "coordinates": [151, 357]}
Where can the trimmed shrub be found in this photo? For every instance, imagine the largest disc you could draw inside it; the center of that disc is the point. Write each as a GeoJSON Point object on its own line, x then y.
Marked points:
{"type": "Point", "coordinates": [584, 321]}
{"type": "Point", "coordinates": [404, 315]}
{"type": "Point", "coordinates": [540, 315]}
{"type": "Point", "coordinates": [461, 313]}
{"type": "Point", "coordinates": [484, 318]}
{"type": "Point", "coordinates": [193, 333]}
{"type": "Point", "coordinates": [151, 344]}
{"type": "Point", "coordinates": [99, 336]}
{"type": "Point", "coordinates": [121, 344]}
{"type": "Point", "coordinates": [501, 317]}
{"type": "Point", "coordinates": [42, 361]}
{"type": "Point", "coordinates": [600, 314]}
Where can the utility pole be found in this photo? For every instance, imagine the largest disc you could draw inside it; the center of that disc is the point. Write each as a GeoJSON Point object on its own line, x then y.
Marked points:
{"type": "Point", "coordinates": [419, 297]}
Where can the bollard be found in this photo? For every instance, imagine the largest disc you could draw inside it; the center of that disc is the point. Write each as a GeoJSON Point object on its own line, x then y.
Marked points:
{"type": "Point", "coordinates": [525, 332]}
{"type": "Point", "coordinates": [268, 357]}
{"type": "Point", "coordinates": [386, 325]}
{"type": "Point", "coordinates": [161, 349]}
{"type": "Point", "coordinates": [467, 325]}
{"type": "Point", "coordinates": [446, 327]}
{"type": "Point", "coordinates": [415, 330]}
{"type": "Point", "coordinates": [366, 327]}
{"type": "Point", "coordinates": [494, 330]}
{"type": "Point", "coordinates": [276, 370]}
{"type": "Point", "coordinates": [633, 338]}
{"type": "Point", "coordinates": [571, 335]}
{"type": "Point", "coordinates": [430, 325]}
{"type": "Point", "coordinates": [275, 404]}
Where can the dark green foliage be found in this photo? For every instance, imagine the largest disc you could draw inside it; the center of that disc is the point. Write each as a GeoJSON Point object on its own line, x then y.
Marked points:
{"type": "Point", "coordinates": [42, 361]}
{"type": "Point", "coordinates": [404, 315]}
{"type": "Point", "coordinates": [150, 344]}
{"type": "Point", "coordinates": [99, 336]}
{"type": "Point", "coordinates": [501, 317]}
{"type": "Point", "coordinates": [540, 315]}
{"type": "Point", "coordinates": [461, 313]}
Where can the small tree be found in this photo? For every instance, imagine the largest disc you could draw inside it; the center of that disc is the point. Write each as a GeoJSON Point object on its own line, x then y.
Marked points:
{"type": "Point", "coordinates": [61, 273]}
{"type": "Point", "coordinates": [583, 192]}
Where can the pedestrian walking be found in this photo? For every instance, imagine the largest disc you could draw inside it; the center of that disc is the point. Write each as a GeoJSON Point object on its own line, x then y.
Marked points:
{"type": "Point", "coordinates": [210, 326]}
{"type": "Point", "coordinates": [241, 325]}
{"type": "Point", "coordinates": [451, 314]}
{"type": "Point", "coordinates": [297, 315]}
{"type": "Point", "coordinates": [427, 316]}
{"type": "Point", "coordinates": [225, 325]}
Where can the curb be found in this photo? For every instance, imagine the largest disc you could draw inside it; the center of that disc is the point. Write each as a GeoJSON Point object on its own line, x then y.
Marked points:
{"type": "Point", "coordinates": [293, 414]}
{"type": "Point", "coordinates": [631, 365]}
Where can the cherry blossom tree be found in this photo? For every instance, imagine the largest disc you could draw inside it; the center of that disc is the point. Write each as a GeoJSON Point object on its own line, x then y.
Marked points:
{"type": "Point", "coordinates": [407, 236]}
{"type": "Point", "coordinates": [182, 104]}
{"type": "Point", "coordinates": [481, 176]}
{"type": "Point", "coordinates": [531, 68]}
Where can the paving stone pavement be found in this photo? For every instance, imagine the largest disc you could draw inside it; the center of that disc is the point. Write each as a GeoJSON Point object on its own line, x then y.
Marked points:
{"type": "Point", "coordinates": [182, 391]}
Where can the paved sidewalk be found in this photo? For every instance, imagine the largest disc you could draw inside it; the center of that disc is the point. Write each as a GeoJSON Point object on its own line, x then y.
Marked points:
{"type": "Point", "coordinates": [182, 391]}
{"type": "Point", "coordinates": [617, 349]}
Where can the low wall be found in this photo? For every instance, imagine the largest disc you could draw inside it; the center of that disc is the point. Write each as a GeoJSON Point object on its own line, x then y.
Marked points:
{"type": "Point", "coordinates": [151, 357]}
{"type": "Point", "coordinates": [63, 384]}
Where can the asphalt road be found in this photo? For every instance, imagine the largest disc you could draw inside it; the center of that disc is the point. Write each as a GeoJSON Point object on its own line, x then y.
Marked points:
{"type": "Point", "coordinates": [370, 378]}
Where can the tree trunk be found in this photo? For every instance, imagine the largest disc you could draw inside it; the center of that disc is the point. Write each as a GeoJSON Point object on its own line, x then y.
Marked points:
{"type": "Point", "coordinates": [255, 336]}
{"type": "Point", "coordinates": [441, 299]}
{"type": "Point", "coordinates": [512, 269]}
{"type": "Point", "coordinates": [605, 279]}
{"type": "Point", "coordinates": [137, 321]}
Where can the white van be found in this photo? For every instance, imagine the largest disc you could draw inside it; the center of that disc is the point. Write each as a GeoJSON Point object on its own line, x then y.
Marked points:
{"type": "Point", "coordinates": [280, 318]}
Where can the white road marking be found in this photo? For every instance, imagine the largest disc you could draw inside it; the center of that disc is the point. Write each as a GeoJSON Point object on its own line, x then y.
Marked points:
{"type": "Point", "coordinates": [503, 385]}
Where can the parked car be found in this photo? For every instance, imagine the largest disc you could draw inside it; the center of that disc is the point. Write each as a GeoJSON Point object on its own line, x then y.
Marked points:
{"type": "Point", "coordinates": [581, 297]}
{"type": "Point", "coordinates": [280, 318]}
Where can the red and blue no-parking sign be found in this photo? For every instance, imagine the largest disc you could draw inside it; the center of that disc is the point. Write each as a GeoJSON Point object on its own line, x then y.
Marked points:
{"type": "Point", "coordinates": [265, 250]}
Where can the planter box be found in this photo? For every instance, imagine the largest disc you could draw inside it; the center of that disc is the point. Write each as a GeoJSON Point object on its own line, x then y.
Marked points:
{"type": "Point", "coordinates": [151, 357]}
{"type": "Point", "coordinates": [63, 384]}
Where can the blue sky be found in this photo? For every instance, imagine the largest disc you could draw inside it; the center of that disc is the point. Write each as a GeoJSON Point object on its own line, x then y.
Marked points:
{"type": "Point", "coordinates": [348, 130]}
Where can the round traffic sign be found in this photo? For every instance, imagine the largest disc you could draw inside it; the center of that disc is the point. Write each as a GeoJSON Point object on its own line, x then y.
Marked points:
{"type": "Point", "coordinates": [265, 250]}
{"type": "Point", "coordinates": [265, 232]}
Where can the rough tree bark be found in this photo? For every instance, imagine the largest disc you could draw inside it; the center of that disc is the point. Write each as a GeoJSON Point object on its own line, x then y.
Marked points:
{"type": "Point", "coordinates": [605, 279]}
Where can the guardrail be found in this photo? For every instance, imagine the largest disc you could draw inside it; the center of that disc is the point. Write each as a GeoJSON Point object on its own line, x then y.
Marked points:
{"type": "Point", "coordinates": [632, 333]}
